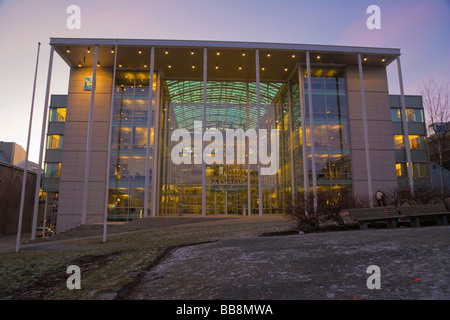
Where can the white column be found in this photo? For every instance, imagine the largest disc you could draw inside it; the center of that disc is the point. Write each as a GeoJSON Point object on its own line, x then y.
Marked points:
{"type": "Point", "coordinates": [25, 168]}
{"type": "Point", "coordinates": [258, 99]}
{"type": "Point", "coordinates": [301, 92]}
{"type": "Point", "coordinates": [42, 145]}
{"type": "Point", "coordinates": [366, 134]}
{"type": "Point", "coordinates": [156, 155]}
{"type": "Point", "coordinates": [405, 129]}
{"type": "Point", "coordinates": [108, 159]}
{"type": "Point", "coordinates": [149, 125]}
{"type": "Point", "coordinates": [205, 73]}
{"type": "Point", "coordinates": [249, 185]}
{"type": "Point", "coordinates": [292, 135]}
{"type": "Point", "coordinates": [88, 143]}
{"type": "Point", "coordinates": [311, 129]}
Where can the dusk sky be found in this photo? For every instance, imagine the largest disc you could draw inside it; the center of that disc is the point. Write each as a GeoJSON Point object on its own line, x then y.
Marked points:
{"type": "Point", "coordinates": [420, 29]}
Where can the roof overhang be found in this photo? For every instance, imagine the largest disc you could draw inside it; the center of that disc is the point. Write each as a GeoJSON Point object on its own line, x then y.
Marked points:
{"type": "Point", "coordinates": [183, 59]}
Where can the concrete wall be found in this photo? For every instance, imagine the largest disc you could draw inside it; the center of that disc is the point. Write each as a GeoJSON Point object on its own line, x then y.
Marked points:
{"type": "Point", "coordinates": [74, 149]}
{"type": "Point", "coordinates": [381, 142]}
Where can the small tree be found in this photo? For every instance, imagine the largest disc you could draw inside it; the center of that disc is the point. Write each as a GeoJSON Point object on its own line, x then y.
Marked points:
{"type": "Point", "coordinates": [437, 110]}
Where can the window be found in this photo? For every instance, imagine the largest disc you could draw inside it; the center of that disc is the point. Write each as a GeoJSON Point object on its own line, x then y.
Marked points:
{"type": "Point", "coordinates": [399, 142]}
{"type": "Point", "coordinates": [52, 170]}
{"type": "Point", "coordinates": [399, 169]}
{"type": "Point", "coordinates": [421, 170]}
{"type": "Point", "coordinates": [417, 142]}
{"type": "Point", "coordinates": [55, 141]}
{"type": "Point", "coordinates": [57, 114]}
{"type": "Point", "coordinates": [396, 115]}
{"type": "Point", "coordinates": [414, 115]}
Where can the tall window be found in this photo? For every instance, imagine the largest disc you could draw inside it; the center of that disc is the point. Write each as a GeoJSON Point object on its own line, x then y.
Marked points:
{"type": "Point", "coordinates": [52, 170]}
{"type": "Point", "coordinates": [55, 141]}
{"type": "Point", "coordinates": [57, 115]}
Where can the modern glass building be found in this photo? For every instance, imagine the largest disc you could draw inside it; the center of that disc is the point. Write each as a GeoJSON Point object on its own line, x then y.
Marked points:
{"type": "Point", "coordinates": [128, 100]}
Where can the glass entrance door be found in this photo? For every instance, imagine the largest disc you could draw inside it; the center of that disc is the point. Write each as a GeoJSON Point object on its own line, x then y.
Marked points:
{"type": "Point", "coordinates": [228, 202]}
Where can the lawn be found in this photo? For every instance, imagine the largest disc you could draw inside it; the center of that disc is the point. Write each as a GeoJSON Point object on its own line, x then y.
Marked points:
{"type": "Point", "coordinates": [40, 273]}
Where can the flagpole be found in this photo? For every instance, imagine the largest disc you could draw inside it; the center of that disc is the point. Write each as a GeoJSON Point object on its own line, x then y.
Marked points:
{"type": "Point", "coordinates": [25, 168]}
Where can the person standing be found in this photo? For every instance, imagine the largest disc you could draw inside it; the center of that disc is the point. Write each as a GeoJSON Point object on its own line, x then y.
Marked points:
{"type": "Point", "coordinates": [379, 196]}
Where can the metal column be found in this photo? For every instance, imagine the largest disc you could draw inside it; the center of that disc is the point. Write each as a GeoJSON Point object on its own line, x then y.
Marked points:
{"type": "Point", "coordinates": [366, 134]}
{"type": "Point", "coordinates": [205, 73]}
{"type": "Point", "coordinates": [405, 128]}
{"type": "Point", "coordinates": [25, 169]}
{"type": "Point", "coordinates": [42, 145]}
{"type": "Point", "coordinates": [88, 142]}
{"type": "Point", "coordinates": [301, 92]}
{"type": "Point", "coordinates": [258, 104]}
{"type": "Point", "coordinates": [156, 140]}
{"type": "Point", "coordinates": [108, 160]}
{"type": "Point", "coordinates": [292, 135]}
{"type": "Point", "coordinates": [249, 185]}
{"type": "Point", "coordinates": [149, 125]}
{"type": "Point", "coordinates": [311, 130]}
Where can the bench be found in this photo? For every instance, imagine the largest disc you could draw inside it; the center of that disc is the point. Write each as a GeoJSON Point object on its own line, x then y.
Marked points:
{"type": "Point", "coordinates": [415, 212]}
{"type": "Point", "coordinates": [365, 215]}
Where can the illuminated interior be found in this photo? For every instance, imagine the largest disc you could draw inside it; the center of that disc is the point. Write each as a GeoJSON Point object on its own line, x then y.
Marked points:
{"type": "Point", "coordinates": [231, 189]}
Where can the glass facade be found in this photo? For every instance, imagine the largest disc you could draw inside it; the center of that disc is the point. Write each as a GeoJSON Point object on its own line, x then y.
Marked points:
{"type": "Point", "coordinates": [331, 131]}
{"type": "Point", "coordinates": [129, 143]}
{"type": "Point", "coordinates": [230, 188]}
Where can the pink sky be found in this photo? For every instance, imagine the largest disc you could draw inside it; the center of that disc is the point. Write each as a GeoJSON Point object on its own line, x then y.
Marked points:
{"type": "Point", "coordinates": [419, 28]}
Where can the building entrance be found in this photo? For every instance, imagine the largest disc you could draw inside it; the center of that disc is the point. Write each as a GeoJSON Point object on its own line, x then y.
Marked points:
{"type": "Point", "coordinates": [230, 202]}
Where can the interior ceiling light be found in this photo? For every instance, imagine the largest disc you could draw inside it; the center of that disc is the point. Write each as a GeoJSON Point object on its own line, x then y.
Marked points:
{"type": "Point", "coordinates": [98, 64]}
{"type": "Point", "coordinates": [285, 68]}
{"type": "Point", "coordinates": [365, 58]}
{"type": "Point", "coordinates": [79, 64]}
{"type": "Point", "coordinates": [193, 66]}
{"type": "Point", "coordinates": [383, 59]}
{"type": "Point", "coordinates": [192, 52]}
{"type": "Point", "coordinates": [263, 68]}
{"type": "Point", "coordinates": [89, 50]}
{"type": "Point", "coordinates": [268, 55]}
{"type": "Point", "coordinates": [140, 51]}
{"type": "Point", "coordinates": [112, 50]}
{"type": "Point", "coordinates": [68, 50]}
{"type": "Point", "coordinates": [166, 52]}
{"type": "Point", "coordinates": [217, 67]}
{"type": "Point", "coordinates": [120, 66]}
{"type": "Point", "coordinates": [243, 53]}
{"type": "Point", "coordinates": [293, 56]}
{"type": "Point", "coordinates": [240, 68]}
{"type": "Point", "coordinates": [145, 66]}
{"type": "Point", "coordinates": [218, 53]}
{"type": "Point", "coordinates": [318, 57]}
{"type": "Point", "coordinates": [170, 66]}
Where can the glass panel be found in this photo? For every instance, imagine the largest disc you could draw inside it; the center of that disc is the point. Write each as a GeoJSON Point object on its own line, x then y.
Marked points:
{"type": "Point", "coordinates": [52, 170]}
{"type": "Point", "coordinates": [129, 145]}
{"type": "Point", "coordinates": [414, 115]}
{"type": "Point", "coordinates": [57, 115]}
{"type": "Point", "coordinates": [396, 115]}
{"type": "Point", "coordinates": [417, 142]}
{"type": "Point", "coordinates": [399, 142]}
{"type": "Point", "coordinates": [55, 141]}
{"type": "Point", "coordinates": [421, 170]}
